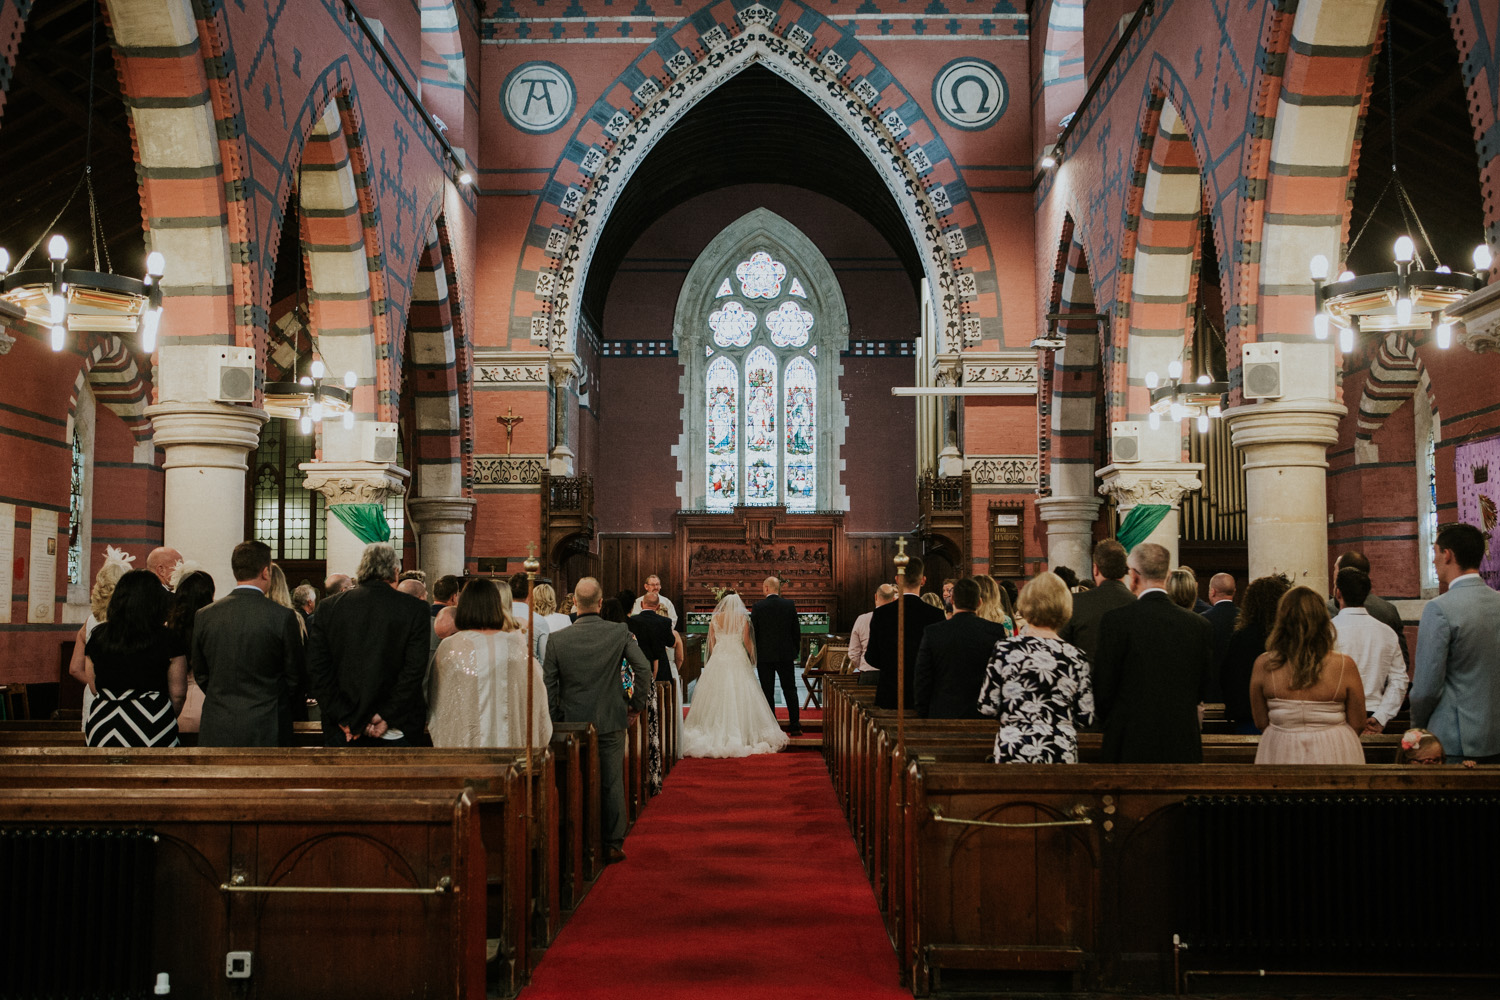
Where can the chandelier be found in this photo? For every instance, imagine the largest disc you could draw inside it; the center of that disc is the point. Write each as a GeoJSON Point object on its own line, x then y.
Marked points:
{"type": "Point", "coordinates": [1200, 400]}
{"type": "Point", "coordinates": [311, 398]}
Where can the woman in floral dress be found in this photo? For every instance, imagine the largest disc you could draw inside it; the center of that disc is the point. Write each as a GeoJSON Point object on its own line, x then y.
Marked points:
{"type": "Point", "coordinates": [1037, 685]}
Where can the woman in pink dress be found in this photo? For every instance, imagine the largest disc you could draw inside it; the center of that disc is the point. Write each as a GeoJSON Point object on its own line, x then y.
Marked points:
{"type": "Point", "coordinates": [1306, 697]}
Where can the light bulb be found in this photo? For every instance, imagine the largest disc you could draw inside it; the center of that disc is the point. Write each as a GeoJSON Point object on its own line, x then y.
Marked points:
{"type": "Point", "coordinates": [1403, 309]}
{"type": "Point", "coordinates": [466, 178]}
{"type": "Point", "coordinates": [315, 410]}
{"type": "Point", "coordinates": [305, 380]}
{"type": "Point", "coordinates": [57, 247]}
{"type": "Point", "coordinates": [59, 307]}
{"type": "Point", "coordinates": [1445, 335]}
{"type": "Point", "coordinates": [317, 369]}
{"type": "Point", "coordinates": [1482, 257]}
{"type": "Point", "coordinates": [1443, 269]}
{"type": "Point", "coordinates": [4, 260]}
{"type": "Point", "coordinates": [1174, 370]}
{"type": "Point", "coordinates": [1203, 423]}
{"type": "Point", "coordinates": [1320, 325]}
{"type": "Point", "coordinates": [1049, 160]}
{"type": "Point", "coordinates": [1319, 267]}
{"type": "Point", "coordinates": [1346, 275]}
{"type": "Point", "coordinates": [1405, 249]}
{"type": "Point", "coordinates": [1346, 340]}
{"type": "Point", "coordinates": [307, 425]}
{"type": "Point", "coordinates": [59, 337]}
{"type": "Point", "coordinates": [1154, 420]}
{"type": "Point", "coordinates": [1152, 380]}
{"type": "Point", "coordinates": [156, 264]}
{"type": "Point", "coordinates": [350, 380]}
{"type": "Point", "coordinates": [150, 320]}
{"type": "Point", "coordinates": [1178, 411]}
{"type": "Point", "coordinates": [348, 420]}
{"type": "Point", "coordinates": [1204, 380]}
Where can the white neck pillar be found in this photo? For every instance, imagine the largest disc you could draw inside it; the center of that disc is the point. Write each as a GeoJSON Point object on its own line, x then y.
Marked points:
{"type": "Point", "coordinates": [1153, 483]}
{"type": "Point", "coordinates": [1286, 485]}
{"type": "Point", "coordinates": [206, 445]}
{"type": "Point", "coordinates": [1070, 531]}
{"type": "Point", "coordinates": [440, 525]}
{"type": "Point", "coordinates": [351, 482]}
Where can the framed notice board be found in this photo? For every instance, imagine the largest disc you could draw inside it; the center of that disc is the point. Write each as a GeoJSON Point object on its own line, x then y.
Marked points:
{"type": "Point", "coordinates": [1007, 531]}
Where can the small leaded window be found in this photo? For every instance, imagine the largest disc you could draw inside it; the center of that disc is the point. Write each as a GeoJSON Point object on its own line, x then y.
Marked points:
{"type": "Point", "coordinates": [75, 508]}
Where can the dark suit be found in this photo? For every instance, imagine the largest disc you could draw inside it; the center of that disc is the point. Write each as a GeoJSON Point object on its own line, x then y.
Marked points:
{"type": "Point", "coordinates": [247, 658]}
{"type": "Point", "coordinates": [654, 633]}
{"type": "Point", "coordinates": [1221, 618]}
{"type": "Point", "coordinates": [951, 665]}
{"type": "Point", "coordinates": [778, 642]}
{"type": "Point", "coordinates": [584, 684]}
{"type": "Point", "coordinates": [1150, 674]}
{"type": "Point", "coordinates": [881, 652]}
{"type": "Point", "coordinates": [1082, 629]}
{"type": "Point", "coordinates": [367, 654]}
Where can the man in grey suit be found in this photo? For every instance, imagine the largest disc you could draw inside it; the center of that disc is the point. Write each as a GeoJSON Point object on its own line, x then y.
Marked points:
{"type": "Point", "coordinates": [247, 658]}
{"type": "Point", "coordinates": [583, 672]}
{"type": "Point", "coordinates": [1456, 692]}
{"type": "Point", "coordinates": [1090, 606]}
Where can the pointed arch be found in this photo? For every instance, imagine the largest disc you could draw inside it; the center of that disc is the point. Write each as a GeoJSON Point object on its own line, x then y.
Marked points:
{"type": "Point", "coordinates": [111, 372]}
{"type": "Point", "coordinates": [1069, 439]}
{"type": "Point", "coordinates": [1396, 373]}
{"type": "Point", "coordinates": [442, 77]}
{"type": "Point", "coordinates": [441, 361]}
{"type": "Point", "coordinates": [818, 336]}
{"type": "Point", "coordinates": [829, 66]}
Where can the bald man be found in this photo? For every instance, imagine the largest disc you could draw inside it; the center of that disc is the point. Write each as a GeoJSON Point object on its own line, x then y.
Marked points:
{"type": "Point", "coordinates": [162, 561]}
{"type": "Point", "coordinates": [1222, 615]}
{"type": "Point", "coordinates": [414, 588]}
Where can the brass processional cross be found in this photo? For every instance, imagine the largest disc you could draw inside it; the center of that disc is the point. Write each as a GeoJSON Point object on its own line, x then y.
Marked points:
{"type": "Point", "coordinates": [510, 420]}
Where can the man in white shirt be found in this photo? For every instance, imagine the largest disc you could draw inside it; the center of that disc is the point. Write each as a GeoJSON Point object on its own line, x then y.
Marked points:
{"type": "Point", "coordinates": [859, 639]}
{"type": "Point", "coordinates": [653, 586]}
{"type": "Point", "coordinates": [1372, 646]}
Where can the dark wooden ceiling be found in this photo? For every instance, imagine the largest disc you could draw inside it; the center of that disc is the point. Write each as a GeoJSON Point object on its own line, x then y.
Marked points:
{"type": "Point", "coordinates": [42, 141]}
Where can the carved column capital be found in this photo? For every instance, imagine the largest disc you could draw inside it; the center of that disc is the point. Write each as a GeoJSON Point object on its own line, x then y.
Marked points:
{"type": "Point", "coordinates": [1479, 316]}
{"type": "Point", "coordinates": [563, 368]}
{"type": "Point", "coordinates": [354, 482]}
{"type": "Point", "coordinates": [205, 435]}
{"type": "Point", "coordinates": [1150, 483]}
{"type": "Point", "coordinates": [441, 515]}
{"type": "Point", "coordinates": [1084, 509]}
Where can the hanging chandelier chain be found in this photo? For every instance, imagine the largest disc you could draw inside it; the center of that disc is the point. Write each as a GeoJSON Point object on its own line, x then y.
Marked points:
{"type": "Point", "coordinates": [21, 262]}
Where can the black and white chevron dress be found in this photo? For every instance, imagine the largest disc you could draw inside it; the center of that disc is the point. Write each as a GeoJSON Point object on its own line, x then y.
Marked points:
{"type": "Point", "coordinates": [131, 719]}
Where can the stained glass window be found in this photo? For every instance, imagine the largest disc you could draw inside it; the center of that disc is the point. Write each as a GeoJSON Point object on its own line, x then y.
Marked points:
{"type": "Point", "coordinates": [732, 325]}
{"type": "Point", "coordinates": [801, 435]}
{"type": "Point", "coordinates": [1430, 514]}
{"type": "Point", "coordinates": [789, 324]}
{"type": "Point", "coordinates": [760, 427]}
{"type": "Point", "coordinates": [797, 289]}
{"type": "Point", "coordinates": [723, 434]}
{"type": "Point", "coordinates": [760, 276]}
{"type": "Point", "coordinates": [75, 509]}
{"type": "Point", "coordinates": [724, 289]}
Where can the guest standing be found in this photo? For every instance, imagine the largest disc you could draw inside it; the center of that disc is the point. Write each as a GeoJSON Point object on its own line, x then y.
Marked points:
{"type": "Point", "coordinates": [1037, 685]}
{"type": "Point", "coordinates": [992, 603]}
{"type": "Point", "coordinates": [1379, 608]}
{"type": "Point", "coordinates": [859, 638]}
{"type": "Point", "coordinates": [653, 633]}
{"type": "Point", "coordinates": [953, 657]}
{"type": "Point", "coordinates": [653, 586]}
{"type": "Point", "coordinates": [1221, 616]}
{"type": "Point", "coordinates": [136, 668]}
{"type": "Point", "coordinates": [1152, 670]}
{"type": "Point", "coordinates": [544, 601]}
{"type": "Point", "coordinates": [116, 565]}
{"type": "Point", "coordinates": [367, 656]}
{"type": "Point", "coordinates": [248, 658]}
{"type": "Point", "coordinates": [193, 593]}
{"type": "Point", "coordinates": [1307, 697]}
{"type": "Point", "coordinates": [1373, 648]}
{"type": "Point", "coordinates": [1456, 692]}
{"type": "Point", "coordinates": [881, 653]}
{"type": "Point", "coordinates": [1252, 627]}
{"type": "Point", "coordinates": [1082, 629]}
{"type": "Point", "coordinates": [478, 693]}
{"type": "Point", "coordinates": [1182, 588]}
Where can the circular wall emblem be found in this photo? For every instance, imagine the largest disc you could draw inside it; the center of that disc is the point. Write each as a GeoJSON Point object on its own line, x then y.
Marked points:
{"type": "Point", "coordinates": [538, 97]}
{"type": "Point", "coordinates": [969, 94]}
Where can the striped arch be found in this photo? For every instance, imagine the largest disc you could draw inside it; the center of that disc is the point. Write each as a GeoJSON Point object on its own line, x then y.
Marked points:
{"type": "Point", "coordinates": [118, 385]}
{"type": "Point", "coordinates": [1307, 173]}
{"type": "Point", "coordinates": [441, 362]}
{"type": "Point", "coordinates": [1159, 273]}
{"type": "Point", "coordinates": [338, 226]}
{"type": "Point", "coordinates": [188, 133]}
{"type": "Point", "coordinates": [442, 75]}
{"type": "Point", "coordinates": [12, 23]}
{"type": "Point", "coordinates": [1064, 71]}
{"type": "Point", "coordinates": [1075, 376]}
{"type": "Point", "coordinates": [1395, 374]}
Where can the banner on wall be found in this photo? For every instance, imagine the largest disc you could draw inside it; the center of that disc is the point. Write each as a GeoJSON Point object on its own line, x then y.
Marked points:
{"type": "Point", "coordinates": [1477, 465]}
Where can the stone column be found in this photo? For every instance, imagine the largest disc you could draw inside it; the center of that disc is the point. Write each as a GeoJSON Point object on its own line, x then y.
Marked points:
{"type": "Point", "coordinates": [1070, 531]}
{"type": "Point", "coordinates": [560, 463]}
{"type": "Point", "coordinates": [1153, 483]}
{"type": "Point", "coordinates": [950, 459]}
{"type": "Point", "coordinates": [206, 445]}
{"type": "Point", "coordinates": [351, 482]}
{"type": "Point", "coordinates": [440, 526]}
{"type": "Point", "coordinates": [1286, 485]}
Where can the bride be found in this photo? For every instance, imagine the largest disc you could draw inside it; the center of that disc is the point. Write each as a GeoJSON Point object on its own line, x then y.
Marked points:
{"type": "Point", "coordinates": [729, 716]}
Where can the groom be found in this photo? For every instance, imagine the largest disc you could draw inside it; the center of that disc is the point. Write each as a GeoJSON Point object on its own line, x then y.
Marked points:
{"type": "Point", "coordinates": [778, 639]}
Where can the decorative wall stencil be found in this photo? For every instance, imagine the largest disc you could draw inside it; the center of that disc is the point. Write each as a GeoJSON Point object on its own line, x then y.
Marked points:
{"type": "Point", "coordinates": [509, 374]}
{"type": "Point", "coordinates": [1019, 373]}
{"type": "Point", "coordinates": [1004, 470]}
{"type": "Point", "coordinates": [789, 324]}
{"type": "Point", "coordinates": [538, 97]}
{"type": "Point", "coordinates": [732, 325]}
{"type": "Point", "coordinates": [1477, 468]}
{"type": "Point", "coordinates": [969, 94]}
{"type": "Point", "coordinates": [760, 276]}
{"type": "Point", "coordinates": [508, 470]}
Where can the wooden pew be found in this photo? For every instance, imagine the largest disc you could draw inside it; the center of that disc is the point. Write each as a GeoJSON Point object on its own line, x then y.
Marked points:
{"type": "Point", "coordinates": [581, 823]}
{"type": "Point", "coordinates": [215, 856]}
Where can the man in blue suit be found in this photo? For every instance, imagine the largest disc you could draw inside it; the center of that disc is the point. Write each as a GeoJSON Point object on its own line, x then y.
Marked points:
{"type": "Point", "coordinates": [1456, 691]}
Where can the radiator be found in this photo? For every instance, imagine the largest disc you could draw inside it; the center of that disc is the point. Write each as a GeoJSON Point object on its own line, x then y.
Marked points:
{"type": "Point", "coordinates": [76, 912]}
{"type": "Point", "coordinates": [1345, 882]}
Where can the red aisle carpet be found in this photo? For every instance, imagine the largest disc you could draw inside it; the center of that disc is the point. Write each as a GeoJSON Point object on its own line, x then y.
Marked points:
{"type": "Point", "coordinates": [742, 881]}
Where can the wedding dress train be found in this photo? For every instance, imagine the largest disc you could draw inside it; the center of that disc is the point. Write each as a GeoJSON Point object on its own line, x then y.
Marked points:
{"type": "Point", "coordinates": [729, 716]}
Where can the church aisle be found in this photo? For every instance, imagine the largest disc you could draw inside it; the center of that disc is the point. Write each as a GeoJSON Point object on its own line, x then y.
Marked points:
{"type": "Point", "coordinates": [742, 881]}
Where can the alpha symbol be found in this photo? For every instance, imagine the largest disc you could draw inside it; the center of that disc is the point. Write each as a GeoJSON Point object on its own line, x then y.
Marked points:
{"type": "Point", "coordinates": [538, 89]}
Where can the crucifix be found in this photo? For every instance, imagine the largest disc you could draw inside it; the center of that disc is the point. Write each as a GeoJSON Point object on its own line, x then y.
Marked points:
{"type": "Point", "coordinates": [509, 420]}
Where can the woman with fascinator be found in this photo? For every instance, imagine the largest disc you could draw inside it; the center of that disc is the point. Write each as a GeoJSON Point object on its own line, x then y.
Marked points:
{"type": "Point", "coordinates": [729, 716]}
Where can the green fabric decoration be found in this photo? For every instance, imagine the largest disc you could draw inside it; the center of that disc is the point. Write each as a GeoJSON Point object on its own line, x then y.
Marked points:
{"type": "Point", "coordinates": [1138, 524]}
{"type": "Point", "coordinates": [366, 520]}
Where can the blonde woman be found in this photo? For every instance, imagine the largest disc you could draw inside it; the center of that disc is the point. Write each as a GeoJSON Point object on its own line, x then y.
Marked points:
{"type": "Point", "coordinates": [282, 595]}
{"type": "Point", "coordinates": [116, 564]}
{"type": "Point", "coordinates": [544, 600]}
{"type": "Point", "coordinates": [1182, 588]}
{"type": "Point", "coordinates": [990, 607]}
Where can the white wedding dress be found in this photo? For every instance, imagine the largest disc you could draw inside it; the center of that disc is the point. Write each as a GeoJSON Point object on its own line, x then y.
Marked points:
{"type": "Point", "coordinates": [729, 716]}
